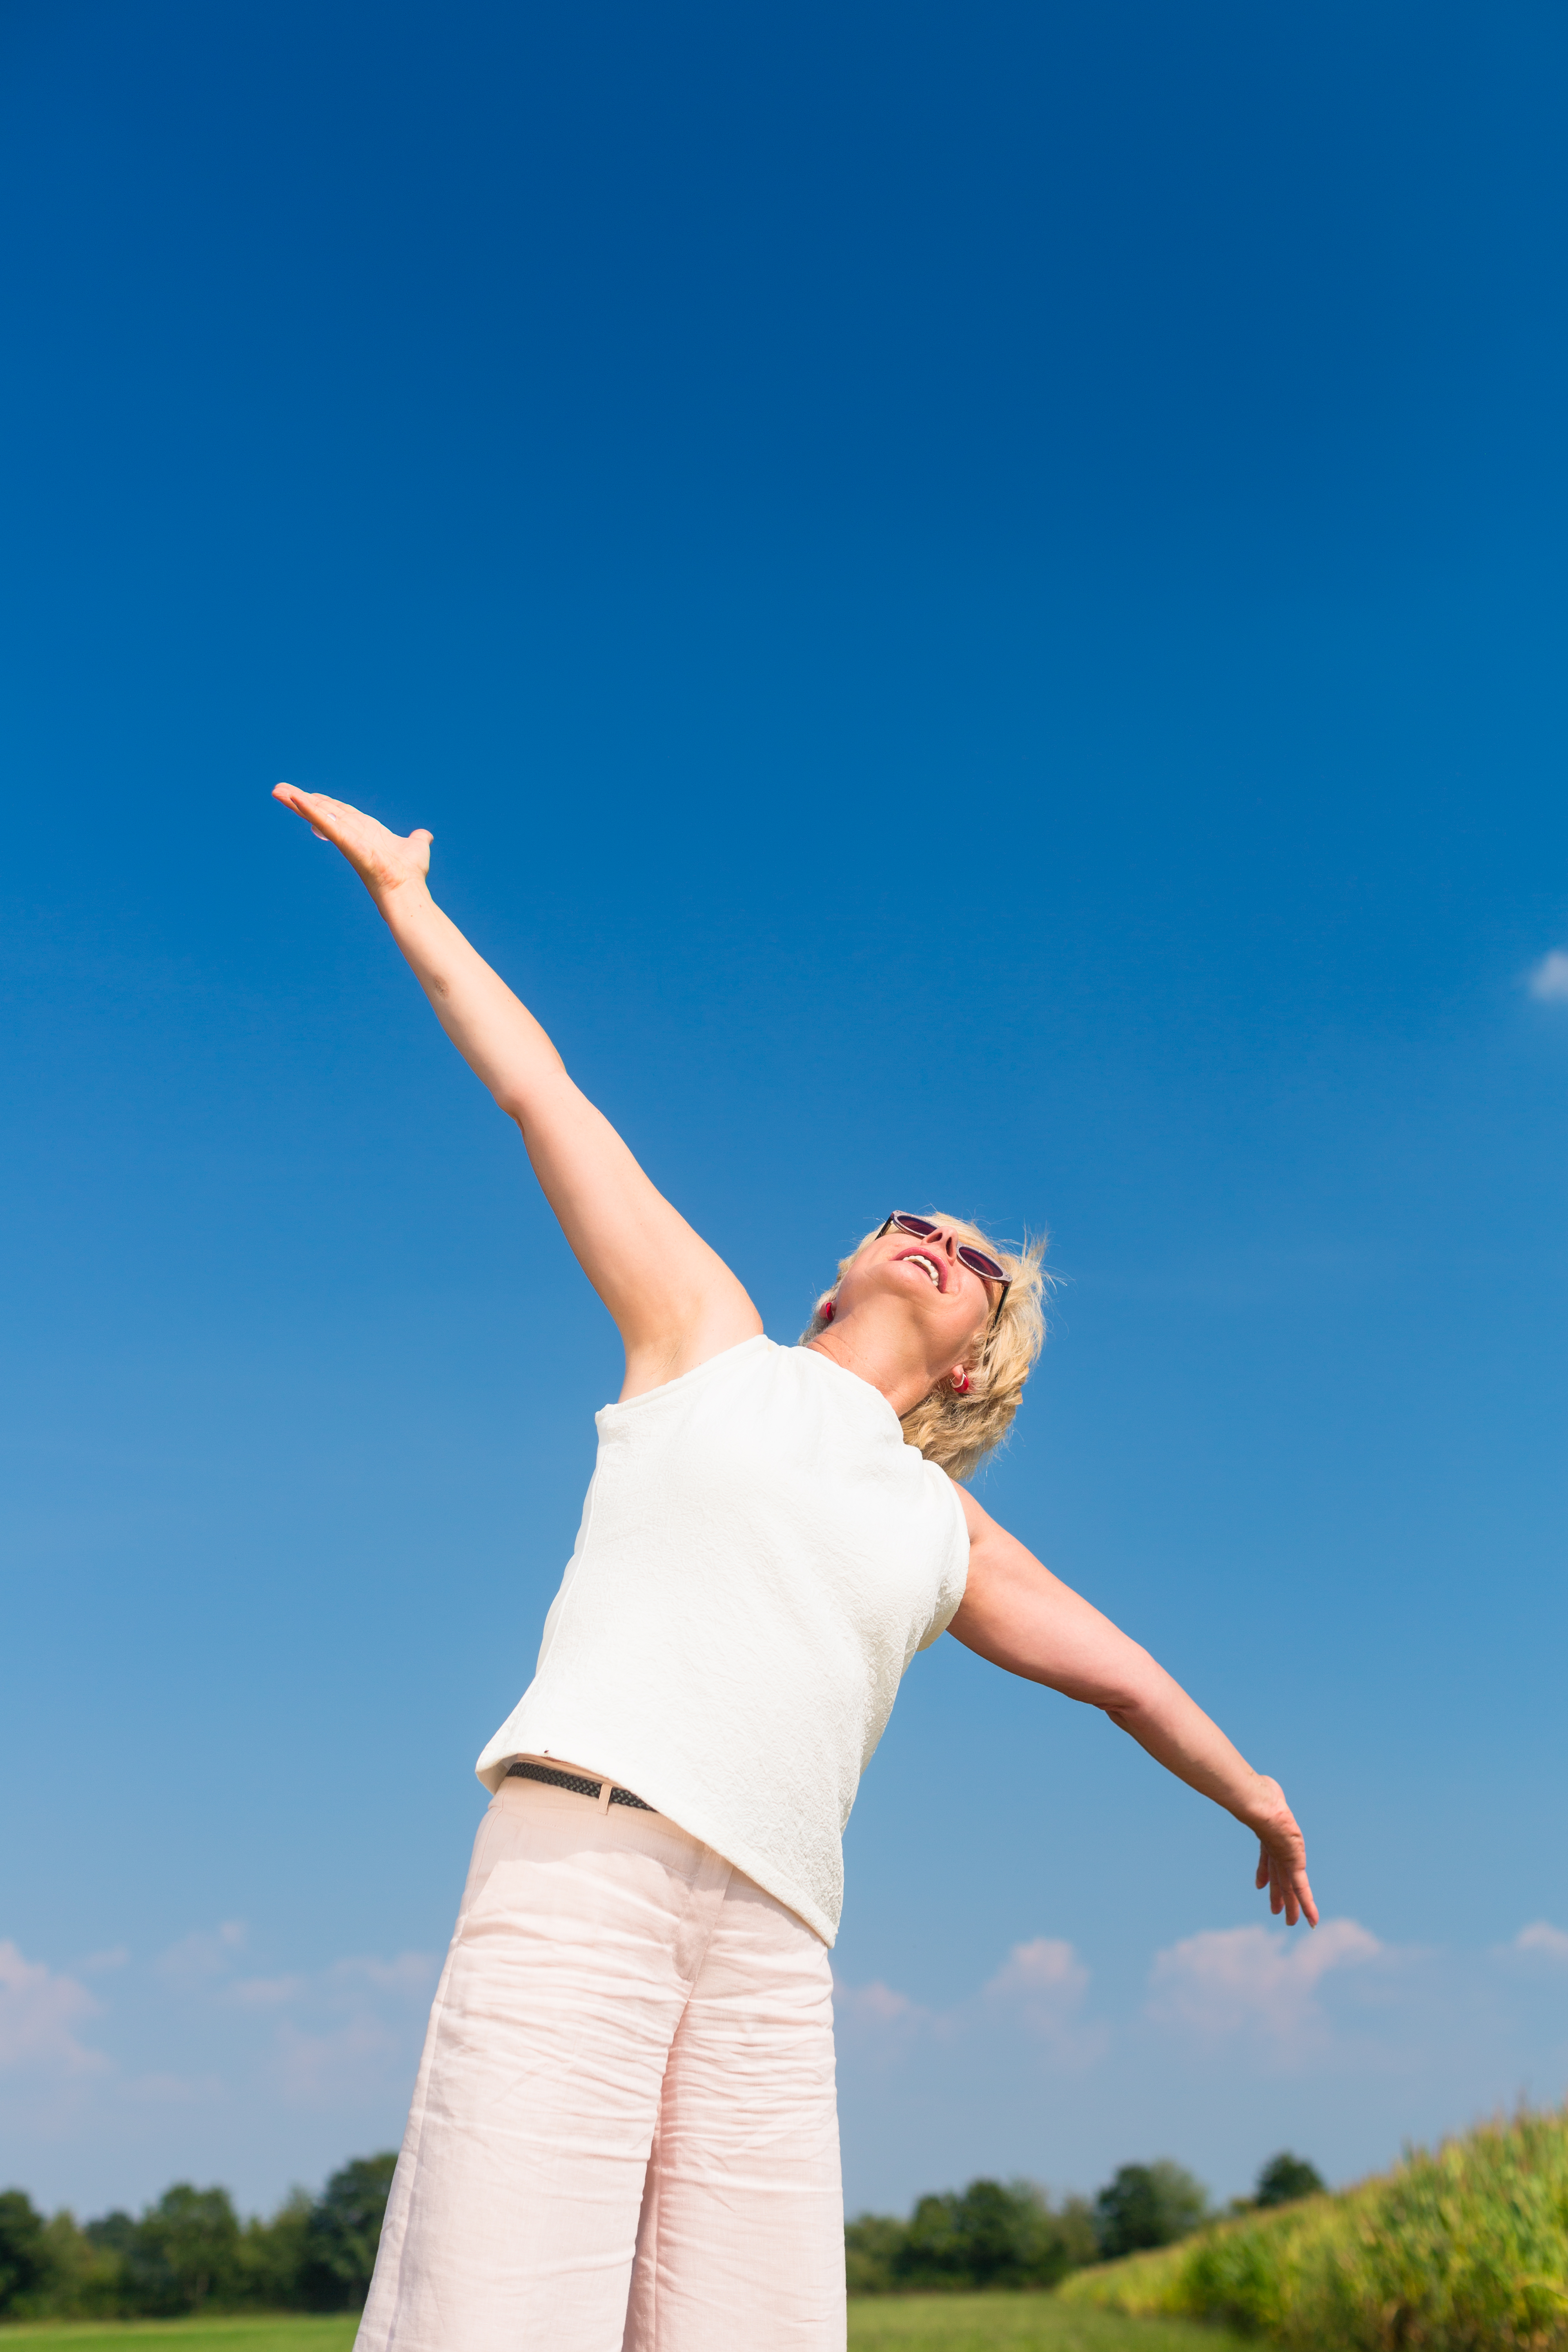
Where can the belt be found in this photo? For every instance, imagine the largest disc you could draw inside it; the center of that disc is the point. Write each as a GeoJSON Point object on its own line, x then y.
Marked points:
{"type": "Point", "coordinates": [606, 1794]}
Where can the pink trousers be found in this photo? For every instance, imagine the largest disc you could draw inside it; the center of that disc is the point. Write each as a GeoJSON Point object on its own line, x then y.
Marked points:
{"type": "Point", "coordinates": [623, 2135]}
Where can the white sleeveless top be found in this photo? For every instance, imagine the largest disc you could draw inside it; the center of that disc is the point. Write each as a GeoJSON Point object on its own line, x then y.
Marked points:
{"type": "Point", "coordinates": [760, 1556]}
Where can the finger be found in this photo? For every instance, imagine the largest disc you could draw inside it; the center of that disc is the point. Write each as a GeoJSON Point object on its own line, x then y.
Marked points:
{"type": "Point", "coordinates": [1260, 1878]}
{"type": "Point", "coordinates": [305, 804]}
{"type": "Point", "coordinates": [328, 819]}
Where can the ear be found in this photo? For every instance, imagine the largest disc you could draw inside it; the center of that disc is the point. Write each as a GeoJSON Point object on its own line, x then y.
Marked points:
{"type": "Point", "coordinates": [826, 1307]}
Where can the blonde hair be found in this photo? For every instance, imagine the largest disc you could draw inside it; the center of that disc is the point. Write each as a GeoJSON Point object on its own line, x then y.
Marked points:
{"type": "Point", "coordinates": [958, 1431]}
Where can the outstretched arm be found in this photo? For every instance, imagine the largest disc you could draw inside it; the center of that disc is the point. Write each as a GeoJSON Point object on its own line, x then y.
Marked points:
{"type": "Point", "coordinates": [674, 1300]}
{"type": "Point", "coordinates": [1020, 1616]}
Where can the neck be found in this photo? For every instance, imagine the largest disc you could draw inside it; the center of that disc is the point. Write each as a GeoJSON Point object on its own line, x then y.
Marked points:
{"type": "Point", "coordinates": [880, 1348]}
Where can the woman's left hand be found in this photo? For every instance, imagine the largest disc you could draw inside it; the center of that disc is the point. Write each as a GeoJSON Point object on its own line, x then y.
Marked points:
{"type": "Point", "coordinates": [1282, 1859]}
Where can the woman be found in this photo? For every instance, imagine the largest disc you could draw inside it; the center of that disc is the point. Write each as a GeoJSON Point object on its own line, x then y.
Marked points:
{"type": "Point", "coordinates": [623, 2135]}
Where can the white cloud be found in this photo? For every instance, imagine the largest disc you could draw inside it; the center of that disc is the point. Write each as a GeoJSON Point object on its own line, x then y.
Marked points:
{"type": "Point", "coordinates": [344, 2063]}
{"type": "Point", "coordinates": [172, 2090]}
{"type": "Point", "coordinates": [1042, 1986]}
{"type": "Point", "coordinates": [39, 2012]}
{"type": "Point", "coordinates": [1548, 978]}
{"type": "Point", "coordinates": [1035, 1997]}
{"type": "Point", "coordinates": [410, 1976]}
{"type": "Point", "coordinates": [344, 2031]}
{"type": "Point", "coordinates": [264, 1992]}
{"type": "Point", "coordinates": [196, 1959]}
{"type": "Point", "coordinates": [873, 2005]}
{"type": "Point", "coordinates": [1252, 1980]}
{"type": "Point", "coordinates": [1551, 1942]}
{"type": "Point", "coordinates": [96, 1963]}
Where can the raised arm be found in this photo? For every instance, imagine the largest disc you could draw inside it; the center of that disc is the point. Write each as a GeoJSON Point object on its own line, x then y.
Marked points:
{"type": "Point", "coordinates": [1020, 1616]}
{"type": "Point", "coordinates": [674, 1300]}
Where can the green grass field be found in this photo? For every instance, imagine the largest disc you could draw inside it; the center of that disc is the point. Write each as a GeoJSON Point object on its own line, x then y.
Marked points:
{"type": "Point", "coordinates": [287, 2333]}
{"type": "Point", "coordinates": [925, 2323]}
{"type": "Point", "coordinates": [1016, 2322]}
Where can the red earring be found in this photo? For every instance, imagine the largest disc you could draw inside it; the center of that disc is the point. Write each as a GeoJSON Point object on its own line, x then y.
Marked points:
{"type": "Point", "coordinates": [961, 1382]}
{"type": "Point", "coordinates": [825, 1310]}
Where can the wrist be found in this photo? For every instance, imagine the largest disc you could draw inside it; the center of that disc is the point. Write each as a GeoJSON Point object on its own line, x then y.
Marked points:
{"type": "Point", "coordinates": [401, 901]}
{"type": "Point", "coordinates": [1265, 1804]}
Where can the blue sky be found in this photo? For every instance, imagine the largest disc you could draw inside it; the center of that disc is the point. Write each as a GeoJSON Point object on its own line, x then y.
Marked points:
{"type": "Point", "coordinates": [976, 606]}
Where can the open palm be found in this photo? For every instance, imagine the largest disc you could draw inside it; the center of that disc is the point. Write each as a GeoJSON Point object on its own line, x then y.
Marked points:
{"type": "Point", "coordinates": [383, 860]}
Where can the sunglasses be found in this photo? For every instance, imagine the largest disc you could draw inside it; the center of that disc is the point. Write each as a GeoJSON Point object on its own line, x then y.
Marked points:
{"type": "Point", "coordinates": [975, 1260]}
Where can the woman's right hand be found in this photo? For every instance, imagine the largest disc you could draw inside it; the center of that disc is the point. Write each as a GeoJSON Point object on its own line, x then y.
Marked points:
{"type": "Point", "coordinates": [384, 861]}
{"type": "Point", "coordinates": [1282, 1858]}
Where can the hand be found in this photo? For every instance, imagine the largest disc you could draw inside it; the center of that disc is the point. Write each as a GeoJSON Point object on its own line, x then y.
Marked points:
{"type": "Point", "coordinates": [1282, 1860]}
{"type": "Point", "coordinates": [383, 860]}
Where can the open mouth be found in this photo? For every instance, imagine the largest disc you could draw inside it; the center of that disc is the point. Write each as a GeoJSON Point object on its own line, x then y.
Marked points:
{"type": "Point", "coordinates": [919, 1257]}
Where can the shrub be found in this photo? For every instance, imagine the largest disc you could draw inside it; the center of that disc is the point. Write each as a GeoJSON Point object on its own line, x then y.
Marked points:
{"type": "Point", "coordinates": [189, 2253]}
{"type": "Point", "coordinates": [1285, 2178]}
{"type": "Point", "coordinates": [24, 2250]}
{"type": "Point", "coordinates": [1147, 2205]}
{"type": "Point", "coordinates": [183, 2255]}
{"type": "Point", "coordinates": [343, 2231]}
{"type": "Point", "coordinates": [988, 2235]}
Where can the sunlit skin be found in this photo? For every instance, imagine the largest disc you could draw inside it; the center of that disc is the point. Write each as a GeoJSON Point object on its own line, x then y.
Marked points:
{"type": "Point", "coordinates": [676, 1303]}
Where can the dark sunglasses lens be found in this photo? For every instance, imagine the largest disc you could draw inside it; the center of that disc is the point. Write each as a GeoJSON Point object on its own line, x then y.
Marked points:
{"type": "Point", "coordinates": [978, 1262]}
{"type": "Point", "coordinates": [921, 1227]}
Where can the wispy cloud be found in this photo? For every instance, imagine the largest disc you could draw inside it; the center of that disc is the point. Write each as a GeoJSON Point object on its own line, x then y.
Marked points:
{"type": "Point", "coordinates": [264, 1992]}
{"type": "Point", "coordinates": [344, 2031]}
{"type": "Point", "coordinates": [331, 2068]}
{"type": "Point", "coordinates": [1035, 1997]}
{"type": "Point", "coordinates": [1549, 1943]}
{"type": "Point", "coordinates": [39, 2012]}
{"type": "Point", "coordinates": [1548, 978]}
{"type": "Point", "coordinates": [198, 1960]}
{"type": "Point", "coordinates": [1254, 1981]}
{"type": "Point", "coordinates": [1041, 1987]}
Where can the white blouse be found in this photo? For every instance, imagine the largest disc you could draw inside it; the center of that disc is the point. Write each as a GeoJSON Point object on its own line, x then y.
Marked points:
{"type": "Point", "coordinates": [760, 1556]}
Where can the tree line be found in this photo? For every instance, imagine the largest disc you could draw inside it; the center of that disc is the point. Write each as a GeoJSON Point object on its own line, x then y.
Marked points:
{"type": "Point", "coordinates": [1009, 2234]}
{"type": "Point", "coordinates": [191, 2251]}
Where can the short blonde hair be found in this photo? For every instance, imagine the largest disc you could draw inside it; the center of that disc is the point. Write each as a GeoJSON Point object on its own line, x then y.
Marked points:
{"type": "Point", "coordinates": [958, 1431]}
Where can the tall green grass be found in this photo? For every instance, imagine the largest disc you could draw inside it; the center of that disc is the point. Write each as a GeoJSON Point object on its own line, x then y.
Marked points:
{"type": "Point", "coordinates": [1464, 2250]}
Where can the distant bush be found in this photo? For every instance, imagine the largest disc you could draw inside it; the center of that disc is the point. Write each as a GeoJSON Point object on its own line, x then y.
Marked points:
{"type": "Point", "coordinates": [988, 2235]}
{"type": "Point", "coordinates": [24, 2252]}
{"type": "Point", "coordinates": [1285, 2179]}
{"type": "Point", "coordinates": [1463, 2249]}
{"type": "Point", "coordinates": [1147, 2205]}
{"type": "Point", "coordinates": [342, 2232]}
{"type": "Point", "coordinates": [190, 2251]}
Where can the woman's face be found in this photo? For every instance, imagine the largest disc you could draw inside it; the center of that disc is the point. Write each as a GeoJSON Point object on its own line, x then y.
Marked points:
{"type": "Point", "coordinates": [952, 1303]}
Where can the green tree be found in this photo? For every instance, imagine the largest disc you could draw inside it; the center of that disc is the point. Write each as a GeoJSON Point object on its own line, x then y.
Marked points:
{"type": "Point", "coordinates": [274, 2255]}
{"type": "Point", "coordinates": [183, 2253]}
{"type": "Point", "coordinates": [992, 2236]}
{"type": "Point", "coordinates": [1285, 2178]}
{"type": "Point", "coordinates": [24, 2250]}
{"type": "Point", "coordinates": [343, 2232]}
{"type": "Point", "coordinates": [1147, 2205]}
{"type": "Point", "coordinates": [872, 2243]}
